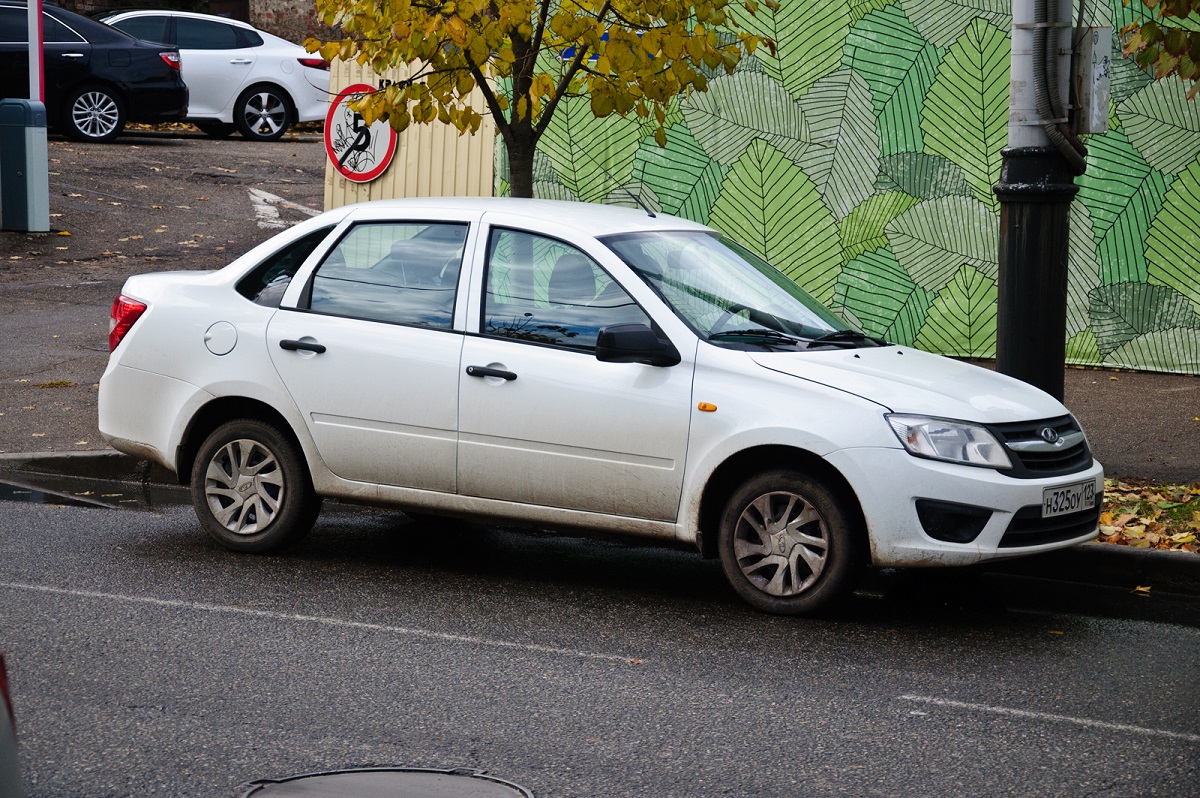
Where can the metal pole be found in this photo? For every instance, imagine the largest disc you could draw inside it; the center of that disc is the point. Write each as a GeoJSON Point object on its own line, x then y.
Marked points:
{"type": "Point", "coordinates": [1035, 192]}
{"type": "Point", "coordinates": [37, 85]}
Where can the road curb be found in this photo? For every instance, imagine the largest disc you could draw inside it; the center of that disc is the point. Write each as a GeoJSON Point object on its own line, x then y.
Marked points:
{"type": "Point", "coordinates": [1110, 565]}
{"type": "Point", "coordinates": [107, 465]}
{"type": "Point", "coordinates": [1102, 564]}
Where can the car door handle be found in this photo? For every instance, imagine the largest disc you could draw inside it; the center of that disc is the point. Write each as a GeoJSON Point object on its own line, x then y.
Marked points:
{"type": "Point", "coordinates": [484, 371]}
{"type": "Point", "coordinates": [292, 346]}
{"type": "Point", "coordinates": [240, 61]}
{"type": "Point", "coordinates": [70, 55]}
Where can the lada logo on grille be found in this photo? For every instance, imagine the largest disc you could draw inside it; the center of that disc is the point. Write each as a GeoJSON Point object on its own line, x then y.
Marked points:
{"type": "Point", "coordinates": [1049, 434]}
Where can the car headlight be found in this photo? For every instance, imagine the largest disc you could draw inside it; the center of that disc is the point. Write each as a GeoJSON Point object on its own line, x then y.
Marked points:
{"type": "Point", "coordinates": [952, 441]}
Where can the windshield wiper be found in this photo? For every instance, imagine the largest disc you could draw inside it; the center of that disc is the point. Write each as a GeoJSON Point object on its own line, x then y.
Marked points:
{"type": "Point", "coordinates": [756, 332]}
{"type": "Point", "coordinates": [848, 337]}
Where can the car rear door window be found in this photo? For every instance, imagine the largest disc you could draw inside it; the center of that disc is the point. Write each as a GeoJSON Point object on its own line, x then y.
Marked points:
{"type": "Point", "coordinates": [203, 34]}
{"type": "Point", "coordinates": [403, 273]}
{"type": "Point", "coordinates": [149, 29]}
{"type": "Point", "coordinates": [57, 32]}
{"type": "Point", "coordinates": [545, 291]}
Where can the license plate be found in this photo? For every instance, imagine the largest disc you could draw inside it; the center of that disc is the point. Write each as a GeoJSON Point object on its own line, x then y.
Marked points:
{"type": "Point", "coordinates": [1068, 499]}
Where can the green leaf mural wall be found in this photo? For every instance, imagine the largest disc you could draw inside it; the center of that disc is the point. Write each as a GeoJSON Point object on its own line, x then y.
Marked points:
{"type": "Point", "coordinates": [860, 161]}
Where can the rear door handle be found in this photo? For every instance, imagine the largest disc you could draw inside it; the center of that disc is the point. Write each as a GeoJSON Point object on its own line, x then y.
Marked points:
{"type": "Point", "coordinates": [292, 346]}
{"type": "Point", "coordinates": [70, 55]}
{"type": "Point", "coordinates": [241, 61]}
{"type": "Point", "coordinates": [484, 371]}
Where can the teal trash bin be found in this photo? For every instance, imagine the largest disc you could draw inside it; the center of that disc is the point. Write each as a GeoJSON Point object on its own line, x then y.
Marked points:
{"type": "Point", "coordinates": [24, 167]}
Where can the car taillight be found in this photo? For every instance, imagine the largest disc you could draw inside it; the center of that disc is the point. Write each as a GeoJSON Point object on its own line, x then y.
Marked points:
{"type": "Point", "coordinates": [172, 59]}
{"type": "Point", "coordinates": [4, 696]}
{"type": "Point", "coordinates": [125, 312]}
{"type": "Point", "coordinates": [314, 63]}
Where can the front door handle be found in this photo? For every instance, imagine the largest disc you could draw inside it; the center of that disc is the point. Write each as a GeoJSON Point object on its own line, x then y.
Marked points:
{"type": "Point", "coordinates": [484, 371]}
{"type": "Point", "coordinates": [309, 346]}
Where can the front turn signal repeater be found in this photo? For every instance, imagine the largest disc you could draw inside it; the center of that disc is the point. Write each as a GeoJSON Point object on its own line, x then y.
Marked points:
{"type": "Point", "coordinates": [706, 407]}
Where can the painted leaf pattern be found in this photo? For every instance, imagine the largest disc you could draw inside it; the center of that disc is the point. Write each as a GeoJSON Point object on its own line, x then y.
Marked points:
{"type": "Point", "coordinates": [843, 156]}
{"type": "Point", "coordinates": [962, 320]}
{"type": "Point", "coordinates": [861, 158]}
{"type": "Point", "coordinates": [590, 155]}
{"type": "Point", "coordinates": [934, 239]}
{"type": "Point", "coordinates": [769, 204]}
{"type": "Point", "coordinates": [966, 113]}
{"type": "Point", "coordinates": [808, 34]}
{"type": "Point", "coordinates": [744, 106]}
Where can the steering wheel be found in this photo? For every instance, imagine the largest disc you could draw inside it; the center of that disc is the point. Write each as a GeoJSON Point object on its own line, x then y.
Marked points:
{"type": "Point", "coordinates": [729, 313]}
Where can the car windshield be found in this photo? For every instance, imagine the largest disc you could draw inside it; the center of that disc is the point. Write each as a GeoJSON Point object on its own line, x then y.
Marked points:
{"type": "Point", "coordinates": [730, 296]}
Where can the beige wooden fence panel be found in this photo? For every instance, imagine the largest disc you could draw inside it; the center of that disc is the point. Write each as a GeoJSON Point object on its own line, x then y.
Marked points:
{"type": "Point", "coordinates": [431, 160]}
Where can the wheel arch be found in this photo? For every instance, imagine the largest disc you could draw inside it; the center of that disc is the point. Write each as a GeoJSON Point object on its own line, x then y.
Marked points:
{"type": "Point", "coordinates": [214, 414]}
{"type": "Point", "coordinates": [736, 469]}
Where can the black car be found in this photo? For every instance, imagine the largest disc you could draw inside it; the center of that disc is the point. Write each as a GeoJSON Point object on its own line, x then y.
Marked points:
{"type": "Point", "coordinates": [97, 78]}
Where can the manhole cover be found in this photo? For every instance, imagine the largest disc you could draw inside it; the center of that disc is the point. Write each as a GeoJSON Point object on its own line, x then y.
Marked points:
{"type": "Point", "coordinates": [387, 783]}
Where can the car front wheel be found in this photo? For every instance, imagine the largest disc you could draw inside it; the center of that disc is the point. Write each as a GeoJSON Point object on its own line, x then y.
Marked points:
{"type": "Point", "coordinates": [789, 544]}
{"type": "Point", "coordinates": [93, 113]}
{"type": "Point", "coordinates": [262, 113]}
{"type": "Point", "coordinates": [251, 489]}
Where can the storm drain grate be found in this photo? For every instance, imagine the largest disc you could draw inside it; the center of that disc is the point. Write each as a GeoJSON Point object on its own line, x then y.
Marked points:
{"type": "Point", "coordinates": [386, 783]}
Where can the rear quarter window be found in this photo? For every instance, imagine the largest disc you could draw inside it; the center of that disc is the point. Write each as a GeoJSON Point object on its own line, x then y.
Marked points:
{"type": "Point", "coordinates": [266, 284]}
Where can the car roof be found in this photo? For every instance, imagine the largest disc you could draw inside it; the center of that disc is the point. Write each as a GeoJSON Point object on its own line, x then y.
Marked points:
{"type": "Point", "coordinates": [166, 12]}
{"type": "Point", "coordinates": [95, 32]}
{"type": "Point", "coordinates": [589, 218]}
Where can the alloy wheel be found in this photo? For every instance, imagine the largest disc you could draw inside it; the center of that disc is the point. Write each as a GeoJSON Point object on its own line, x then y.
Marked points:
{"type": "Point", "coordinates": [244, 486]}
{"type": "Point", "coordinates": [781, 543]}
{"type": "Point", "coordinates": [95, 114]}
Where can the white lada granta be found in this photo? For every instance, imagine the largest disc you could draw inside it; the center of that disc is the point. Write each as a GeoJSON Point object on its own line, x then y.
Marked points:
{"type": "Point", "coordinates": [581, 366]}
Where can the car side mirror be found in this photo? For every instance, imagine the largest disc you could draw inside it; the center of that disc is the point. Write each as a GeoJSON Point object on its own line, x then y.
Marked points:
{"type": "Point", "coordinates": [634, 343]}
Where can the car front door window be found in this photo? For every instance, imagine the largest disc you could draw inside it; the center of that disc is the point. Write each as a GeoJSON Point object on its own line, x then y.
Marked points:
{"type": "Point", "coordinates": [545, 291]}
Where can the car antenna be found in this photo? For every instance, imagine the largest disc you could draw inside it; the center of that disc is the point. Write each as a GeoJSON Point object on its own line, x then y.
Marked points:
{"type": "Point", "coordinates": [622, 186]}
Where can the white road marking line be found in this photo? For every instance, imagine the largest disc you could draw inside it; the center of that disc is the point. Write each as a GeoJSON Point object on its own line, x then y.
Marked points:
{"type": "Point", "coordinates": [1021, 713]}
{"type": "Point", "coordinates": [267, 205]}
{"type": "Point", "coordinates": [318, 619]}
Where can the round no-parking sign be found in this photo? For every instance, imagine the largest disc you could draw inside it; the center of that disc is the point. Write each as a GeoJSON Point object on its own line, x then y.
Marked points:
{"type": "Point", "coordinates": [360, 152]}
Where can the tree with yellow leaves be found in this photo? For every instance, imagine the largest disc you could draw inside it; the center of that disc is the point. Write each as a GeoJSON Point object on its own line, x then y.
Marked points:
{"type": "Point", "coordinates": [1168, 42]}
{"type": "Point", "coordinates": [526, 56]}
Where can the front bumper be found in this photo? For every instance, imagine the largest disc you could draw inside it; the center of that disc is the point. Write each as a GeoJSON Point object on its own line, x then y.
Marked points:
{"type": "Point", "coordinates": [890, 483]}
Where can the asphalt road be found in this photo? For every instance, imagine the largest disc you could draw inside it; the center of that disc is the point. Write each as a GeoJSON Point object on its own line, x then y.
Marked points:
{"type": "Point", "coordinates": [146, 661]}
{"type": "Point", "coordinates": [151, 201]}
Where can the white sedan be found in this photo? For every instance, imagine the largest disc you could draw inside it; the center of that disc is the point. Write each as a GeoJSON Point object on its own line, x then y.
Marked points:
{"type": "Point", "coordinates": [581, 366]}
{"type": "Point", "coordinates": [238, 78]}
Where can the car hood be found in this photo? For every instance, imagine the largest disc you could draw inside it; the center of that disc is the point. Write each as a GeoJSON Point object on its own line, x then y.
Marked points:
{"type": "Point", "coordinates": [908, 380]}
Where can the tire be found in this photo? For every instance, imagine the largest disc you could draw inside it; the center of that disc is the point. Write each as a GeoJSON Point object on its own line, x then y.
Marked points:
{"type": "Point", "coordinates": [251, 488]}
{"type": "Point", "coordinates": [216, 130]}
{"type": "Point", "coordinates": [263, 113]}
{"type": "Point", "coordinates": [93, 113]}
{"type": "Point", "coordinates": [790, 571]}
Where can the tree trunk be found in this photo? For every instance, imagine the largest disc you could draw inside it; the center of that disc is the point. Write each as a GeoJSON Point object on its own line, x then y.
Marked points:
{"type": "Point", "coordinates": [520, 146]}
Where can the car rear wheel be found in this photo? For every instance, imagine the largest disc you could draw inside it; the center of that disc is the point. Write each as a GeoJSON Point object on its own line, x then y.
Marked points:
{"type": "Point", "coordinates": [216, 130]}
{"type": "Point", "coordinates": [789, 544]}
{"type": "Point", "coordinates": [263, 113]}
{"type": "Point", "coordinates": [93, 113]}
{"type": "Point", "coordinates": [251, 489]}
